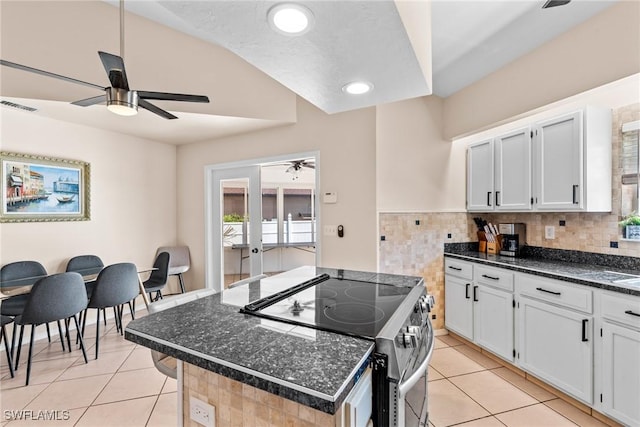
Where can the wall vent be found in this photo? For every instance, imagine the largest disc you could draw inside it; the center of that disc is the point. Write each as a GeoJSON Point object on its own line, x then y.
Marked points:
{"type": "Point", "coordinates": [18, 106]}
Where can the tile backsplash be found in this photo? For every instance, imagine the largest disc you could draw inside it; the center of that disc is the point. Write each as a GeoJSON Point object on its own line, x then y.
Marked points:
{"type": "Point", "coordinates": [414, 242]}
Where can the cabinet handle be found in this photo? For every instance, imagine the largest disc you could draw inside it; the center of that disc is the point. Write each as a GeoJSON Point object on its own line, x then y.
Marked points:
{"type": "Point", "coordinates": [631, 313]}
{"type": "Point", "coordinates": [549, 292]}
{"type": "Point", "coordinates": [584, 330]}
{"type": "Point", "coordinates": [497, 198]}
{"type": "Point", "coordinates": [455, 268]}
{"type": "Point", "coordinates": [489, 198]}
{"type": "Point", "coordinates": [575, 194]}
{"type": "Point", "coordinates": [475, 296]}
{"type": "Point", "coordinates": [490, 277]}
{"type": "Point", "coordinates": [466, 290]}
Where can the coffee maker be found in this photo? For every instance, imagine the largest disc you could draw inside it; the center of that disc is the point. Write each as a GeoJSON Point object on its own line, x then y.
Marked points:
{"type": "Point", "coordinates": [514, 237]}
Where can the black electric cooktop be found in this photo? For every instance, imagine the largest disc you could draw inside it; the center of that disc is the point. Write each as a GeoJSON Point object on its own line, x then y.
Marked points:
{"type": "Point", "coordinates": [351, 307]}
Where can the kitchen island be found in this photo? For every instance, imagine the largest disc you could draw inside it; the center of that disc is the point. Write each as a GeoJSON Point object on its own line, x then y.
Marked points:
{"type": "Point", "coordinates": [258, 370]}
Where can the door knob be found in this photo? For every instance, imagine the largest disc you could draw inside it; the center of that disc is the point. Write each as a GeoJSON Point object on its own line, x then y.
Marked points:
{"type": "Point", "coordinates": [254, 250]}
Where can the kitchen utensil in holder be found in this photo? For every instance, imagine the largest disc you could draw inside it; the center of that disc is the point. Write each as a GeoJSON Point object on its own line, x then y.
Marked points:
{"type": "Point", "coordinates": [489, 247]}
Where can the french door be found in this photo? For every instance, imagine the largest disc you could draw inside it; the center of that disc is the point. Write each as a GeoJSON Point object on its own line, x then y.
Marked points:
{"type": "Point", "coordinates": [240, 240]}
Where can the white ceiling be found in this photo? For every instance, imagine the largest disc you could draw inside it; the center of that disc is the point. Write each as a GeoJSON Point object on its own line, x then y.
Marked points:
{"type": "Point", "coordinates": [350, 40]}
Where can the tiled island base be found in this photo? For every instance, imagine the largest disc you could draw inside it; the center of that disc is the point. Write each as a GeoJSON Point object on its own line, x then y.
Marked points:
{"type": "Point", "coordinates": [238, 404]}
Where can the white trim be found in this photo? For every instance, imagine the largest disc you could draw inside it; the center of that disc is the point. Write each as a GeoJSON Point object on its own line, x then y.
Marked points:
{"type": "Point", "coordinates": [385, 211]}
{"type": "Point", "coordinates": [631, 126]}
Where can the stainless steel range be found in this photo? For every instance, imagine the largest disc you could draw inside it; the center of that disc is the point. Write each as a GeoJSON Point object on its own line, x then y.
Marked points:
{"type": "Point", "coordinates": [394, 314]}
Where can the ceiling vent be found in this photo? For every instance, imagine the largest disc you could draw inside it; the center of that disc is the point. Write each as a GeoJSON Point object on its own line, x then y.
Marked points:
{"type": "Point", "coordinates": [18, 106]}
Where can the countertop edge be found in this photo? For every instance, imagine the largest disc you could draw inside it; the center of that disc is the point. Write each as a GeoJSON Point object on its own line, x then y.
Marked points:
{"type": "Point", "coordinates": [547, 274]}
{"type": "Point", "coordinates": [308, 397]}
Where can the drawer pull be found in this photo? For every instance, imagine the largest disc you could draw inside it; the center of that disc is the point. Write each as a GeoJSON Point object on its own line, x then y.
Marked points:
{"type": "Point", "coordinates": [631, 313]}
{"type": "Point", "coordinates": [490, 277]}
{"type": "Point", "coordinates": [584, 330]}
{"type": "Point", "coordinates": [466, 290]}
{"type": "Point", "coordinates": [475, 295]}
{"type": "Point", "coordinates": [549, 292]}
{"type": "Point", "coordinates": [455, 268]}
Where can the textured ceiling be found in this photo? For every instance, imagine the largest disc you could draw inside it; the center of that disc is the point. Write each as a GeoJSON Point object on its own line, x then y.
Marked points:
{"type": "Point", "coordinates": [202, 46]}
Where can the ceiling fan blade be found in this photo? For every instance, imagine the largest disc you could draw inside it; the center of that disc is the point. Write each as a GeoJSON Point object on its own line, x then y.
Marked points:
{"type": "Point", "coordinates": [554, 3]}
{"type": "Point", "coordinates": [48, 74]}
{"type": "Point", "coordinates": [172, 96]}
{"type": "Point", "coordinates": [159, 111]}
{"type": "Point", "coordinates": [114, 66]}
{"type": "Point", "coordinates": [91, 101]}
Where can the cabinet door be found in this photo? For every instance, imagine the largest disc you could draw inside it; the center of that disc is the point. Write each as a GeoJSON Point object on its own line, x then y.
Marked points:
{"type": "Point", "coordinates": [559, 165]}
{"type": "Point", "coordinates": [458, 306]}
{"type": "Point", "coordinates": [493, 320]}
{"type": "Point", "coordinates": [556, 346]}
{"type": "Point", "coordinates": [480, 176]}
{"type": "Point", "coordinates": [513, 170]}
{"type": "Point", "coordinates": [621, 373]}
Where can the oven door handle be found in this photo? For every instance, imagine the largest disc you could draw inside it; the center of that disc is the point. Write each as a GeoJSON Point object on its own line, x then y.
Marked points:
{"type": "Point", "coordinates": [407, 384]}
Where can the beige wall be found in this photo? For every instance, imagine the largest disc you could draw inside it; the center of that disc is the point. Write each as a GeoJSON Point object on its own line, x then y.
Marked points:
{"type": "Point", "coordinates": [416, 168]}
{"type": "Point", "coordinates": [133, 194]}
{"type": "Point", "coordinates": [600, 50]}
{"type": "Point", "coordinates": [347, 146]}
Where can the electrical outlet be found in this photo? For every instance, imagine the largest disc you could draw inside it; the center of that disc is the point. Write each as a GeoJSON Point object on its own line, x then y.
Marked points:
{"type": "Point", "coordinates": [549, 232]}
{"type": "Point", "coordinates": [330, 230]}
{"type": "Point", "coordinates": [202, 413]}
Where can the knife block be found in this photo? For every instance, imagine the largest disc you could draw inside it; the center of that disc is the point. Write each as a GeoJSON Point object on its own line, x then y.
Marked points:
{"type": "Point", "coordinates": [493, 248]}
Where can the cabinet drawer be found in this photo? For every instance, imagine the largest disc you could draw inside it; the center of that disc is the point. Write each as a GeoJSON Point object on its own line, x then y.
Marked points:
{"type": "Point", "coordinates": [461, 269]}
{"type": "Point", "coordinates": [496, 277]}
{"type": "Point", "coordinates": [555, 291]}
{"type": "Point", "coordinates": [624, 310]}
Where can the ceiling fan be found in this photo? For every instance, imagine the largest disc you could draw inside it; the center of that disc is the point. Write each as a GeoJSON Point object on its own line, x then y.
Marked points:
{"type": "Point", "coordinates": [120, 99]}
{"type": "Point", "coordinates": [297, 165]}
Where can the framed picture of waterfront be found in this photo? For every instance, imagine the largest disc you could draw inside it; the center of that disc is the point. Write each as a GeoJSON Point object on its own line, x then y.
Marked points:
{"type": "Point", "coordinates": [40, 188]}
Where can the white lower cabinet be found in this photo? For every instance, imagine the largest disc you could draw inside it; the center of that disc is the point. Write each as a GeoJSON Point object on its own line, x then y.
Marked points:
{"type": "Point", "coordinates": [621, 369]}
{"type": "Point", "coordinates": [480, 310]}
{"type": "Point", "coordinates": [579, 339]}
{"type": "Point", "coordinates": [493, 321]}
{"type": "Point", "coordinates": [556, 345]}
{"type": "Point", "coordinates": [620, 330]}
{"type": "Point", "coordinates": [458, 306]}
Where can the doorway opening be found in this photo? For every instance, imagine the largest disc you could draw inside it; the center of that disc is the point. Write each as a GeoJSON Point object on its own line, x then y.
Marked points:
{"type": "Point", "coordinates": [263, 217]}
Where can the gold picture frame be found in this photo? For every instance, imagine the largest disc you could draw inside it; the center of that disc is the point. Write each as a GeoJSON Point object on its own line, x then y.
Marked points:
{"type": "Point", "coordinates": [43, 189]}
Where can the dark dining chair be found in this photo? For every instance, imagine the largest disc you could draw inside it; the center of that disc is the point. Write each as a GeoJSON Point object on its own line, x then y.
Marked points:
{"type": "Point", "coordinates": [158, 278]}
{"type": "Point", "coordinates": [179, 262]}
{"type": "Point", "coordinates": [53, 298]}
{"type": "Point", "coordinates": [21, 273]}
{"type": "Point", "coordinates": [116, 285]}
{"type": "Point", "coordinates": [3, 337]}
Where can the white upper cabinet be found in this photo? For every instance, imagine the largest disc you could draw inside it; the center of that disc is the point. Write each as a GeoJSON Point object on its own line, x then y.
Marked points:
{"type": "Point", "coordinates": [561, 164]}
{"type": "Point", "coordinates": [480, 196]}
{"type": "Point", "coordinates": [573, 162]}
{"type": "Point", "coordinates": [513, 170]}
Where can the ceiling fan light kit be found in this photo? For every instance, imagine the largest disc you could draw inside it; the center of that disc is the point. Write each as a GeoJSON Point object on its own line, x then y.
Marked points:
{"type": "Point", "coordinates": [122, 102]}
{"type": "Point", "coordinates": [290, 19]}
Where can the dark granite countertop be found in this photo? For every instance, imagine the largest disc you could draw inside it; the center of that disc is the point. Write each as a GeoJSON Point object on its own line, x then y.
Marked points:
{"type": "Point", "coordinates": [312, 367]}
{"type": "Point", "coordinates": [594, 270]}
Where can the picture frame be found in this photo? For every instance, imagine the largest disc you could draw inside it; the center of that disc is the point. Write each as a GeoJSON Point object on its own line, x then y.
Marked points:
{"type": "Point", "coordinates": [44, 189]}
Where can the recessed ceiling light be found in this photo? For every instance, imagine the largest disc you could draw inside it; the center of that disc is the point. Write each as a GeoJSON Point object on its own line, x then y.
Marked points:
{"type": "Point", "coordinates": [290, 19]}
{"type": "Point", "coordinates": [357, 88]}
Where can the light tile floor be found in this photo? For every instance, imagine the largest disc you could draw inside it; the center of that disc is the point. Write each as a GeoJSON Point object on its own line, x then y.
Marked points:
{"type": "Point", "coordinates": [122, 388]}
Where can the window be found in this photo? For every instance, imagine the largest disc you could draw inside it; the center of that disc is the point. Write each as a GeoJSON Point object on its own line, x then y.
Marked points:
{"type": "Point", "coordinates": [630, 166]}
